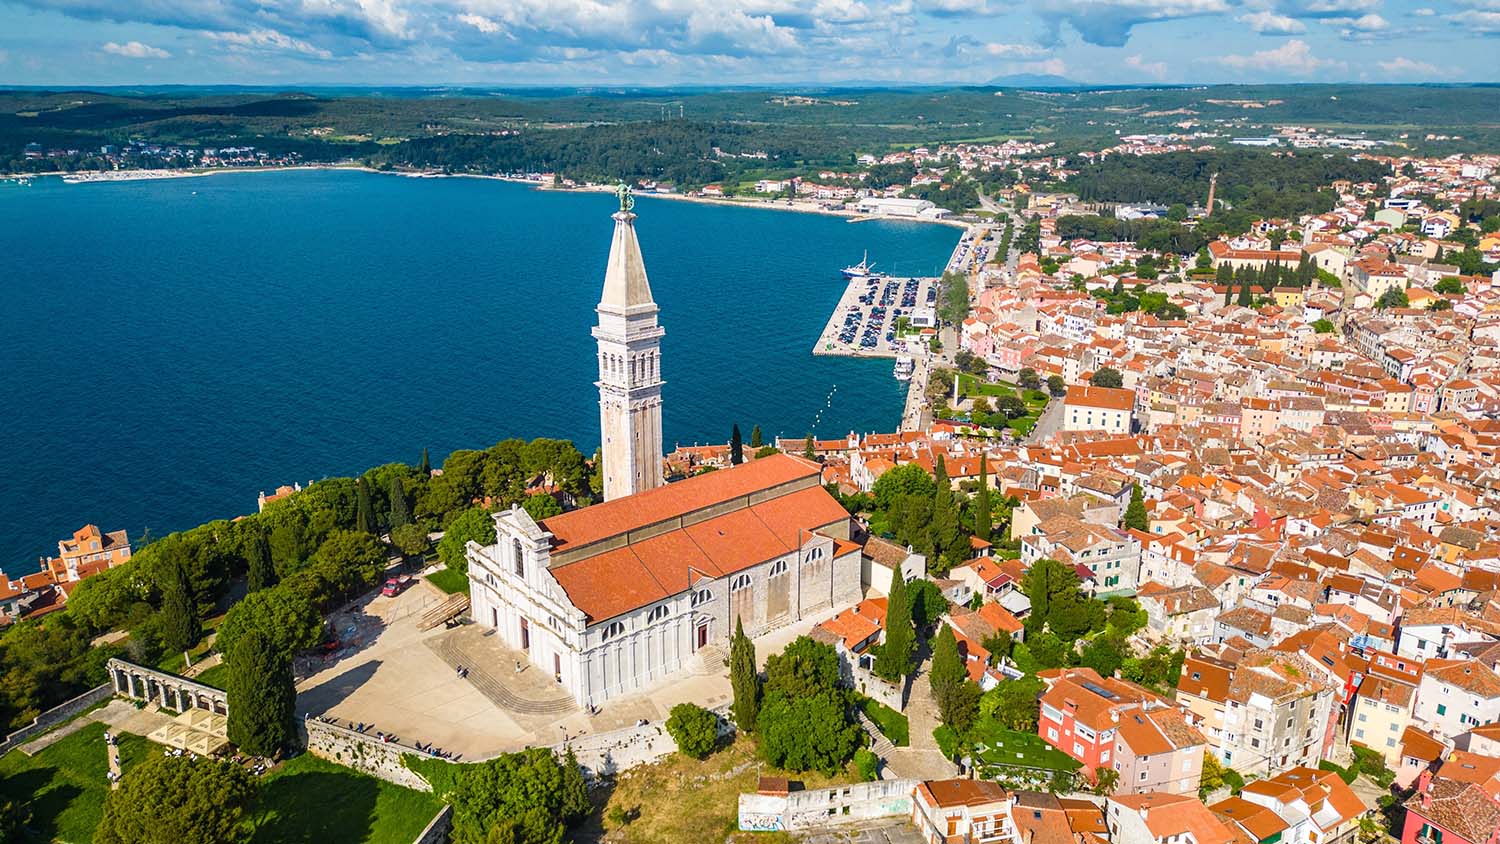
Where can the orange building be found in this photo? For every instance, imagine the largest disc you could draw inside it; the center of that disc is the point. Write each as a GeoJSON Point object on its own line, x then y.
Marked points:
{"type": "Point", "coordinates": [89, 551]}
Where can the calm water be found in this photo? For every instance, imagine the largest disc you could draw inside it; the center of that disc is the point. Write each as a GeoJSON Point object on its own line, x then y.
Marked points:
{"type": "Point", "coordinates": [169, 348]}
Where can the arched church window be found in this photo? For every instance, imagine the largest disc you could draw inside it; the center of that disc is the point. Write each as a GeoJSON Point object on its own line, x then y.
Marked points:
{"type": "Point", "coordinates": [614, 629]}
{"type": "Point", "coordinates": [815, 554]}
{"type": "Point", "coordinates": [702, 596]}
{"type": "Point", "coordinates": [657, 614]}
{"type": "Point", "coordinates": [740, 583]}
{"type": "Point", "coordinates": [779, 568]}
{"type": "Point", "coordinates": [518, 560]}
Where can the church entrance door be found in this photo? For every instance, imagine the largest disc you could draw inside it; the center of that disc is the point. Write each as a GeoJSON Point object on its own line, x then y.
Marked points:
{"type": "Point", "coordinates": [702, 636]}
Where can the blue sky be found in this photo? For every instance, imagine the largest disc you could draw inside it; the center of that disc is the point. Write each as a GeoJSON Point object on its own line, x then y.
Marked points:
{"type": "Point", "coordinates": [593, 42]}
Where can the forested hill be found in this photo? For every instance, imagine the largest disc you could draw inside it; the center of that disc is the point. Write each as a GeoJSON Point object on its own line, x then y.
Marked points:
{"type": "Point", "coordinates": [1271, 184]}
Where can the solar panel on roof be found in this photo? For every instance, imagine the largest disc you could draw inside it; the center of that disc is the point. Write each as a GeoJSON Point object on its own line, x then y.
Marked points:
{"type": "Point", "coordinates": [1098, 690]}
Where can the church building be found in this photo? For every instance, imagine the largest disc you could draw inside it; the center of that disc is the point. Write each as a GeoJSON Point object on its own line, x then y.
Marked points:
{"type": "Point", "coordinates": [614, 598]}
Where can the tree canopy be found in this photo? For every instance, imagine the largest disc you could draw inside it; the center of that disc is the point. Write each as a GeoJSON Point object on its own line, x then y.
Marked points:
{"type": "Point", "coordinates": [178, 800]}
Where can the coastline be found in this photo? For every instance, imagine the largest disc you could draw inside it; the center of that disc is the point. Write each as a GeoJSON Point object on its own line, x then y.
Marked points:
{"type": "Point", "coordinates": [796, 206]}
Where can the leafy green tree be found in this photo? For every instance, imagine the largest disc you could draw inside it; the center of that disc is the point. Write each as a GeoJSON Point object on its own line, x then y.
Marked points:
{"type": "Point", "coordinates": [178, 800]}
{"type": "Point", "coordinates": [804, 668]}
{"type": "Point", "coordinates": [1135, 512]}
{"type": "Point", "coordinates": [288, 547]}
{"type": "Point", "coordinates": [475, 524]}
{"type": "Point", "coordinates": [926, 601]}
{"type": "Point", "coordinates": [1015, 705]}
{"type": "Point", "coordinates": [1057, 386]}
{"type": "Point", "coordinates": [755, 437]}
{"type": "Point", "coordinates": [1322, 326]}
{"type": "Point", "coordinates": [284, 614]}
{"type": "Point", "coordinates": [531, 797]}
{"type": "Point", "coordinates": [261, 570]}
{"type": "Point", "coordinates": [807, 733]}
{"type": "Point", "coordinates": [1244, 299]}
{"type": "Point", "coordinates": [695, 729]}
{"type": "Point", "coordinates": [744, 679]}
{"type": "Point", "coordinates": [1027, 379]}
{"type": "Point", "coordinates": [736, 447]}
{"type": "Point", "coordinates": [1204, 262]}
{"type": "Point", "coordinates": [808, 449]}
{"type": "Point", "coordinates": [180, 628]}
{"type": "Point", "coordinates": [1440, 305]}
{"type": "Point", "coordinates": [1105, 654]}
{"type": "Point", "coordinates": [908, 479]}
{"type": "Point", "coordinates": [949, 544]}
{"type": "Point", "coordinates": [1105, 780]}
{"type": "Point", "coordinates": [541, 506]}
{"type": "Point", "coordinates": [15, 817]}
{"type": "Point", "coordinates": [983, 519]}
{"type": "Point", "coordinates": [867, 764]}
{"type": "Point", "coordinates": [1048, 584]}
{"type": "Point", "coordinates": [766, 451]}
{"type": "Point", "coordinates": [364, 519]}
{"type": "Point", "coordinates": [262, 695]}
{"type": "Point", "coordinates": [893, 658]}
{"type": "Point", "coordinates": [1393, 297]}
{"type": "Point", "coordinates": [409, 539]}
{"type": "Point", "coordinates": [1107, 377]}
{"type": "Point", "coordinates": [947, 675]}
{"type": "Point", "coordinates": [400, 508]}
{"type": "Point", "coordinates": [1449, 286]}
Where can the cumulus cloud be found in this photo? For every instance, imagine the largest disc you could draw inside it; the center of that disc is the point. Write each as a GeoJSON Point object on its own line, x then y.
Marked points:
{"type": "Point", "coordinates": [135, 50]}
{"type": "Point", "coordinates": [1363, 28]}
{"type": "Point", "coordinates": [1327, 8]}
{"type": "Point", "coordinates": [1424, 12]}
{"type": "Point", "coordinates": [1410, 68]}
{"type": "Point", "coordinates": [479, 22]}
{"type": "Point", "coordinates": [1475, 20]}
{"type": "Point", "coordinates": [1156, 70]}
{"type": "Point", "coordinates": [1108, 23]}
{"type": "Point", "coordinates": [1015, 51]}
{"type": "Point", "coordinates": [268, 39]}
{"type": "Point", "coordinates": [1294, 58]}
{"type": "Point", "coordinates": [1267, 22]}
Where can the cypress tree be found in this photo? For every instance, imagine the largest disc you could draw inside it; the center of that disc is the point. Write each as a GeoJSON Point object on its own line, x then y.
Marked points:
{"type": "Point", "coordinates": [1245, 300]}
{"type": "Point", "coordinates": [364, 518]}
{"type": "Point", "coordinates": [262, 574]}
{"type": "Point", "coordinates": [262, 695]}
{"type": "Point", "coordinates": [180, 628]}
{"type": "Point", "coordinates": [947, 672]}
{"type": "Point", "coordinates": [1135, 514]}
{"type": "Point", "coordinates": [893, 659]}
{"type": "Point", "coordinates": [744, 679]}
{"type": "Point", "coordinates": [808, 449]}
{"type": "Point", "coordinates": [1225, 276]}
{"type": "Point", "coordinates": [755, 440]}
{"type": "Point", "coordinates": [424, 467]}
{"type": "Point", "coordinates": [983, 519]}
{"type": "Point", "coordinates": [944, 527]}
{"type": "Point", "coordinates": [736, 447]}
{"type": "Point", "coordinates": [400, 510]}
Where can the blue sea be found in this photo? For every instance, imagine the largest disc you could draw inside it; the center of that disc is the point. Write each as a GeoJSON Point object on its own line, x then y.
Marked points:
{"type": "Point", "coordinates": [169, 348]}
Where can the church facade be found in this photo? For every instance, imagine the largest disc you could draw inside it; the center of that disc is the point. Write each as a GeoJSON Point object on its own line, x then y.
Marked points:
{"type": "Point", "coordinates": [617, 597]}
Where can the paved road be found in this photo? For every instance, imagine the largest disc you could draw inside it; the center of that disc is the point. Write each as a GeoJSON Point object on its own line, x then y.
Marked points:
{"type": "Point", "coordinates": [1049, 423]}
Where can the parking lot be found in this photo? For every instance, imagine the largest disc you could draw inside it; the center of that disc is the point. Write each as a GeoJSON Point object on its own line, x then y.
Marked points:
{"type": "Point", "coordinates": [864, 323]}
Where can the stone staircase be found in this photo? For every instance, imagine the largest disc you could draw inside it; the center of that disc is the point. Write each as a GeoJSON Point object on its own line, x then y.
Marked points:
{"type": "Point", "coordinates": [882, 746]}
{"type": "Point", "coordinates": [450, 649]}
{"type": "Point", "coordinates": [709, 661]}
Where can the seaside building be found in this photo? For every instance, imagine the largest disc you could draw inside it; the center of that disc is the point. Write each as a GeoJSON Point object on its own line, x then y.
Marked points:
{"type": "Point", "coordinates": [87, 552]}
{"type": "Point", "coordinates": [629, 367]}
{"type": "Point", "coordinates": [619, 596]}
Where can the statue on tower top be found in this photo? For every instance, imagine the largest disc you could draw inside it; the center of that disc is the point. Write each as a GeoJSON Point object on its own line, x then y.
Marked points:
{"type": "Point", "coordinates": [627, 200]}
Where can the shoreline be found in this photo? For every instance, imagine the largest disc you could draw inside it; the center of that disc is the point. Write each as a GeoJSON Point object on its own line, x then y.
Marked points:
{"type": "Point", "coordinates": [798, 207]}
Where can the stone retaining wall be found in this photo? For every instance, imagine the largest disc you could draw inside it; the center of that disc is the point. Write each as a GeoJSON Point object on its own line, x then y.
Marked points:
{"type": "Point", "coordinates": [437, 831]}
{"type": "Point", "coordinates": [606, 754]}
{"type": "Point", "coordinates": [822, 807]}
{"type": "Point", "coordinates": [56, 715]}
{"type": "Point", "coordinates": [364, 752]}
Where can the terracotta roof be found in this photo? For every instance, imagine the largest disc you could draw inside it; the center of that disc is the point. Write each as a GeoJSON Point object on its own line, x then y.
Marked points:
{"type": "Point", "coordinates": [1110, 398]}
{"type": "Point", "coordinates": [1461, 807]}
{"type": "Point", "coordinates": [612, 518]}
{"type": "Point", "coordinates": [1167, 815]}
{"type": "Point", "coordinates": [1260, 822]}
{"type": "Point", "coordinates": [958, 792]}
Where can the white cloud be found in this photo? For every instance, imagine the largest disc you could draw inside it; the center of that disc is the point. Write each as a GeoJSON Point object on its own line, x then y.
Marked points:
{"type": "Point", "coordinates": [479, 22]}
{"type": "Point", "coordinates": [1108, 23]}
{"type": "Point", "coordinates": [1156, 70]}
{"type": "Point", "coordinates": [1424, 12]}
{"type": "Point", "coordinates": [135, 50]}
{"type": "Point", "coordinates": [1267, 22]}
{"type": "Point", "coordinates": [1015, 51]}
{"type": "Point", "coordinates": [1363, 28]}
{"type": "Point", "coordinates": [1327, 8]}
{"type": "Point", "coordinates": [1293, 58]}
{"type": "Point", "coordinates": [1484, 23]}
{"type": "Point", "coordinates": [268, 39]}
{"type": "Point", "coordinates": [1408, 68]}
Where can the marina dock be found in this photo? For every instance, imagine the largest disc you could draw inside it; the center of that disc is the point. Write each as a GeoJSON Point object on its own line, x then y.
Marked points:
{"type": "Point", "coordinates": [864, 322]}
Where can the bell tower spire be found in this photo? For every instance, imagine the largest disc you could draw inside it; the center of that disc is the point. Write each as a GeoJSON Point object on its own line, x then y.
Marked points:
{"type": "Point", "coordinates": [629, 365]}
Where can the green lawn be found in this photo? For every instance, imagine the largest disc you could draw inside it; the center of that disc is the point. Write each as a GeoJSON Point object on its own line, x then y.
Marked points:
{"type": "Point", "coordinates": [996, 745]}
{"type": "Point", "coordinates": [315, 801]}
{"type": "Point", "coordinates": [173, 662]}
{"type": "Point", "coordinates": [971, 385]}
{"type": "Point", "coordinates": [893, 724]}
{"type": "Point", "coordinates": [449, 581]}
{"type": "Point", "coordinates": [66, 782]}
{"type": "Point", "coordinates": [305, 800]}
{"type": "Point", "coordinates": [218, 676]}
